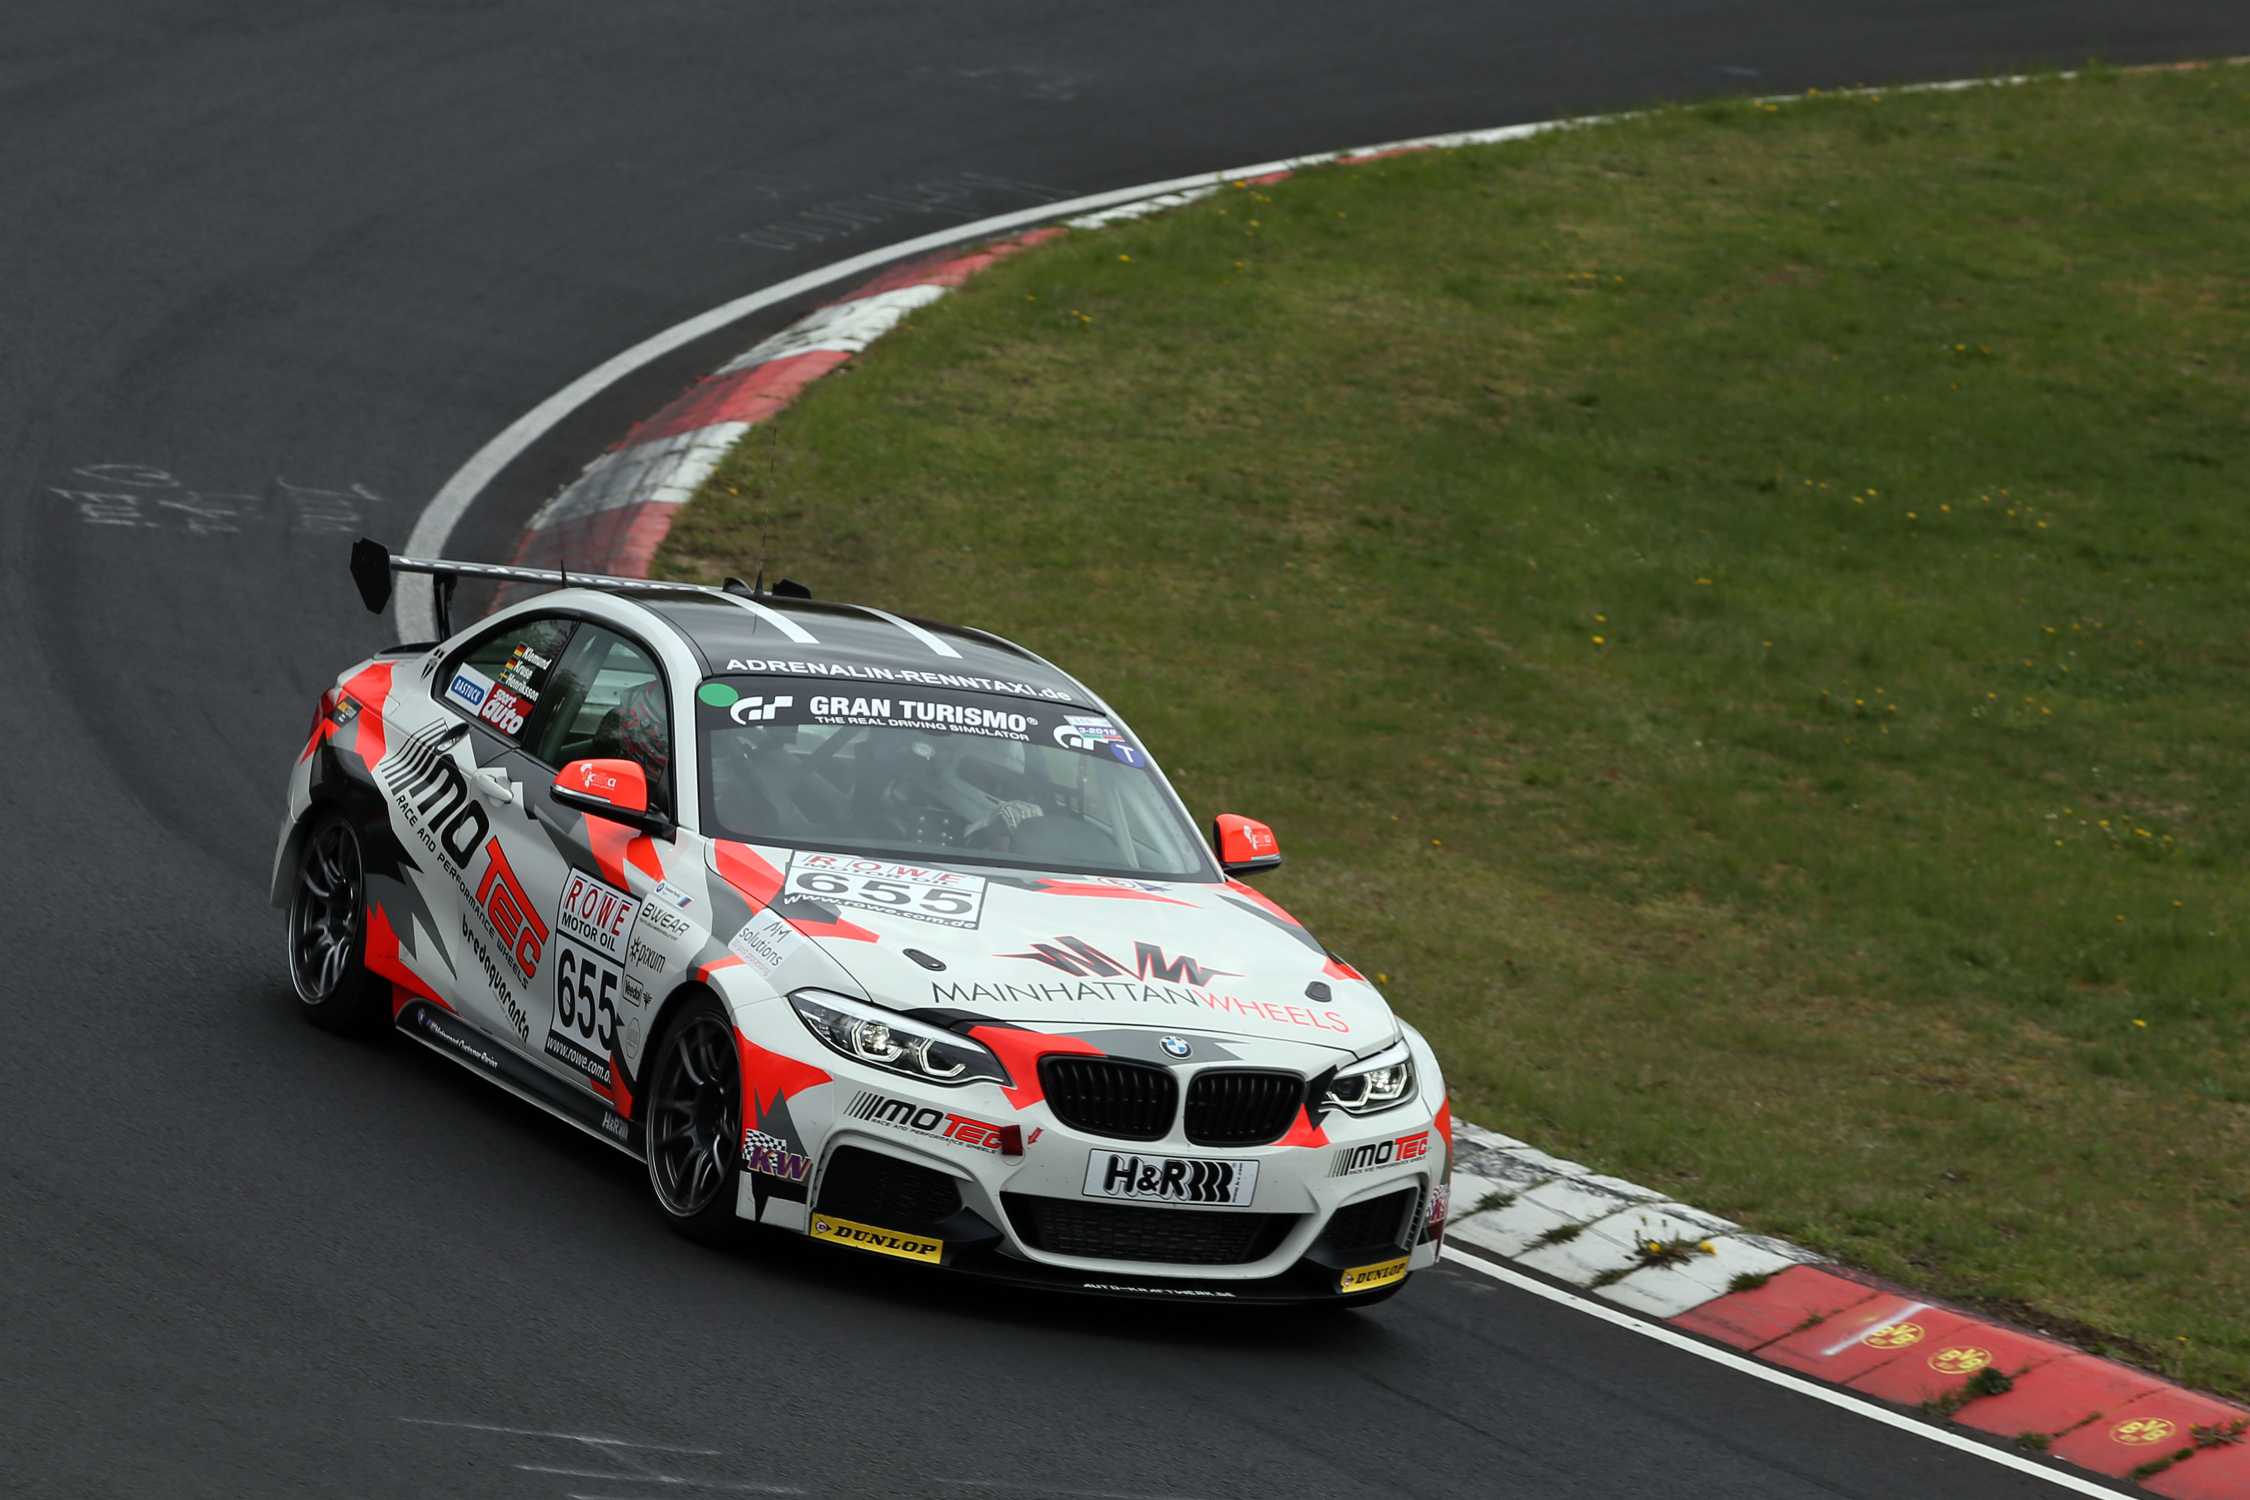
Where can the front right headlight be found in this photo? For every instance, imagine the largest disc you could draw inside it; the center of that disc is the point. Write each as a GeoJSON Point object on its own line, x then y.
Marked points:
{"type": "Point", "coordinates": [1382, 1082]}
{"type": "Point", "coordinates": [897, 1044]}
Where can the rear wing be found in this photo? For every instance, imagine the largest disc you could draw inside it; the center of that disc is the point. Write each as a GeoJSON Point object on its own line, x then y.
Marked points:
{"type": "Point", "coordinates": [374, 566]}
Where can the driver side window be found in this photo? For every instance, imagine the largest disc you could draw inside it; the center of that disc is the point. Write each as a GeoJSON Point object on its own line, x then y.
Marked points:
{"type": "Point", "coordinates": [607, 700]}
{"type": "Point", "coordinates": [500, 679]}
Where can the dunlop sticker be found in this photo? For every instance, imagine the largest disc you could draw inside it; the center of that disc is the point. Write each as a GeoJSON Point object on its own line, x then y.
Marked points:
{"type": "Point", "coordinates": [882, 1241]}
{"type": "Point", "coordinates": [1367, 1278]}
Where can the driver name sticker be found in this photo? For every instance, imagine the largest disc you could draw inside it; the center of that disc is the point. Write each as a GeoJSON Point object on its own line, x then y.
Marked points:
{"type": "Point", "coordinates": [945, 897]}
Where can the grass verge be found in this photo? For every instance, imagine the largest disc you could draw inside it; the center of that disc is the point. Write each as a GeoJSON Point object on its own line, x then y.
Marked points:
{"type": "Point", "coordinates": [1737, 615]}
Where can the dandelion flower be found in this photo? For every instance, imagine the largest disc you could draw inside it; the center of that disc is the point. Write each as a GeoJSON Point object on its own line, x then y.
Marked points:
{"type": "Point", "coordinates": [1601, 640]}
{"type": "Point", "coordinates": [2141, 1025]}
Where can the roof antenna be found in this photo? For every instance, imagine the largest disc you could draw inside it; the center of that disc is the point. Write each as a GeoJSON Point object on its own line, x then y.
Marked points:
{"type": "Point", "coordinates": [562, 566]}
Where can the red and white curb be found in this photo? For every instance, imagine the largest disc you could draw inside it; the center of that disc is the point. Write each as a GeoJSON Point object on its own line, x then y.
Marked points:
{"type": "Point", "coordinates": [1626, 1253]}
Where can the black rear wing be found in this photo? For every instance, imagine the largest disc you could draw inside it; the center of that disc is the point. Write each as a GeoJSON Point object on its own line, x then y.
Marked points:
{"type": "Point", "coordinates": [374, 566]}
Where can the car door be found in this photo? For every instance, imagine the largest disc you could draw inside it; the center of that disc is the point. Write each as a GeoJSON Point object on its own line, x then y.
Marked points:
{"type": "Point", "coordinates": [607, 699]}
{"type": "Point", "coordinates": [505, 874]}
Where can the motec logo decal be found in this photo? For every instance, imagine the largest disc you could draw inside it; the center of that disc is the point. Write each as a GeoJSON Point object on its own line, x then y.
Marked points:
{"type": "Point", "coordinates": [878, 1240]}
{"type": "Point", "coordinates": [521, 933]}
{"type": "Point", "coordinates": [926, 1119]}
{"type": "Point", "coordinates": [432, 794]}
{"type": "Point", "coordinates": [1375, 1155]}
{"type": "Point", "coordinates": [1367, 1278]}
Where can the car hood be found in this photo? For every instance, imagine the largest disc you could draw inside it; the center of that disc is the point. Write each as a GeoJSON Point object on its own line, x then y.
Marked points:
{"type": "Point", "coordinates": [1067, 950]}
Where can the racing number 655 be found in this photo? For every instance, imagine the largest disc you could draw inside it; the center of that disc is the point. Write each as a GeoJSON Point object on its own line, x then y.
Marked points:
{"type": "Point", "coordinates": [586, 1000]}
{"type": "Point", "coordinates": [938, 902]}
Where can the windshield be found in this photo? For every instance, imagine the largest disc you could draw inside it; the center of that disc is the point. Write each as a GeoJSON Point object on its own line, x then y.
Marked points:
{"type": "Point", "coordinates": [935, 774]}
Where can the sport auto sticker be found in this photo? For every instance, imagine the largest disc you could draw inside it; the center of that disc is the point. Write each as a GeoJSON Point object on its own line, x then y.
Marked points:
{"type": "Point", "coordinates": [504, 710]}
{"type": "Point", "coordinates": [921, 893]}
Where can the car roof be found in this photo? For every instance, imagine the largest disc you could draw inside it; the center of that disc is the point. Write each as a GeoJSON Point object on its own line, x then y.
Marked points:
{"type": "Point", "coordinates": [766, 634]}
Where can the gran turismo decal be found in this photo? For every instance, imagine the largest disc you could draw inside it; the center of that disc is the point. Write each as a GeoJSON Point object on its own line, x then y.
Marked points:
{"type": "Point", "coordinates": [1368, 1278]}
{"type": "Point", "coordinates": [1170, 1179]}
{"type": "Point", "coordinates": [944, 897]}
{"type": "Point", "coordinates": [873, 1237]}
{"type": "Point", "coordinates": [853, 670]}
{"type": "Point", "coordinates": [1373, 1156]}
{"type": "Point", "coordinates": [928, 1119]}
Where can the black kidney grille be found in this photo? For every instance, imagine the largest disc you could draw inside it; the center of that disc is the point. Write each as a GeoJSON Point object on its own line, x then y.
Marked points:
{"type": "Point", "coordinates": [1235, 1107]}
{"type": "Point", "coordinates": [1374, 1223]}
{"type": "Point", "coordinates": [1132, 1231]}
{"type": "Point", "coordinates": [1105, 1096]}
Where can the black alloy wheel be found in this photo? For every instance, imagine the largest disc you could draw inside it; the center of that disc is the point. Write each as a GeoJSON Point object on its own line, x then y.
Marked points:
{"type": "Point", "coordinates": [694, 1122]}
{"type": "Point", "coordinates": [327, 931]}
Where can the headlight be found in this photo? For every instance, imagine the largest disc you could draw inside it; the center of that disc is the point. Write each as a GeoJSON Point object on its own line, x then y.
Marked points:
{"type": "Point", "coordinates": [1367, 1088]}
{"type": "Point", "coordinates": [895, 1043]}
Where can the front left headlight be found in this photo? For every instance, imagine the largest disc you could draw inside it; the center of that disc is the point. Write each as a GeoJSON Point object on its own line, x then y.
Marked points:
{"type": "Point", "coordinates": [897, 1044]}
{"type": "Point", "coordinates": [1367, 1088]}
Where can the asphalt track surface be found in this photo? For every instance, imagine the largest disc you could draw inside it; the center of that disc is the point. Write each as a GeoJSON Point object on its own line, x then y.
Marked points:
{"type": "Point", "coordinates": [269, 273]}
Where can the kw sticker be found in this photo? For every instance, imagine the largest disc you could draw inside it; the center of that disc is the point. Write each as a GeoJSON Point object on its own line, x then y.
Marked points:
{"type": "Point", "coordinates": [1367, 1278]}
{"type": "Point", "coordinates": [883, 1241]}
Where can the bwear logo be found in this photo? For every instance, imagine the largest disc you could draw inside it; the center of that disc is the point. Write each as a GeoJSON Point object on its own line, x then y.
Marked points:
{"type": "Point", "coordinates": [663, 919]}
{"type": "Point", "coordinates": [880, 1241]}
{"type": "Point", "coordinates": [1367, 1278]}
{"type": "Point", "coordinates": [758, 710]}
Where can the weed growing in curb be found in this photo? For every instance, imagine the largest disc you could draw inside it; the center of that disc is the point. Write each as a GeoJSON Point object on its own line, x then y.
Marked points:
{"type": "Point", "coordinates": [1749, 1281]}
{"type": "Point", "coordinates": [2032, 1442]}
{"type": "Point", "coordinates": [1985, 1382]}
{"type": "Point", "coordinates": [1493, 1202]}
{"type": "Point", "coordinates": [1561, 1234]}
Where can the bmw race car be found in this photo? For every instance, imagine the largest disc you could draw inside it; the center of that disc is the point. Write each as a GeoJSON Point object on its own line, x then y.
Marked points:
{"type": "Point", "coordinates": [870, 929]}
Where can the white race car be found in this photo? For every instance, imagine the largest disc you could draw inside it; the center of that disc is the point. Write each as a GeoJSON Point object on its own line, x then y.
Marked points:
{"type": "Point", "coordinates": [871, 929]}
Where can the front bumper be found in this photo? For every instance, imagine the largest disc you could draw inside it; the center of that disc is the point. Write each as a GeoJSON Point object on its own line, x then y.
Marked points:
{"type": "Point", "coordinates": [1349, 1208]}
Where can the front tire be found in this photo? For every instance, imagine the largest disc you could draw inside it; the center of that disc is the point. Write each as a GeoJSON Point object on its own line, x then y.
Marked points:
{"type": "Point", "coordinates": [693, 1128]}
{"type": "Point", "coordinates": [327, 932]}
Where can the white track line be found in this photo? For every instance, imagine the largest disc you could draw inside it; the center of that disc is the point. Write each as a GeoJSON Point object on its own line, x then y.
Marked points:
{"type": "Point", "coordinates": [1743, 1364]}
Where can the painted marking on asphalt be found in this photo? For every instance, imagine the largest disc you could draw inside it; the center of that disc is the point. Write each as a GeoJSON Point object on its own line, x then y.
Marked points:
{"type": "Point", "coordinates": [1742, 1364]}
{"type": "Point", "coordinates": [571, 1437]}
{"type": "Point", "coordinates": [733, 1486]}
{"type": "Point", "coordinates": [1051, 1489]}
{"type": "Point", "coordinates": [912, 629]}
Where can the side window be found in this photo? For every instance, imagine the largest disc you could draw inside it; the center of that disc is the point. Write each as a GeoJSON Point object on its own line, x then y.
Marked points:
{"type": "Point", "coordinates": [607, 699]}
{"type": "Point", "coordinates": [501, 677]}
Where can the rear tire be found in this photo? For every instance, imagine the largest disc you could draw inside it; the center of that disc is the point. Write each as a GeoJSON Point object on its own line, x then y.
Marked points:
{"type": "Point", "coordinates": [693, 1127]}
{"type": "Point", "coordinates": [327, 932]}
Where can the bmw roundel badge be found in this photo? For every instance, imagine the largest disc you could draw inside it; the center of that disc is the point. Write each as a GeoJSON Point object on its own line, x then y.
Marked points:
{"type": "Point", "coordinates": [1177, 1046]}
